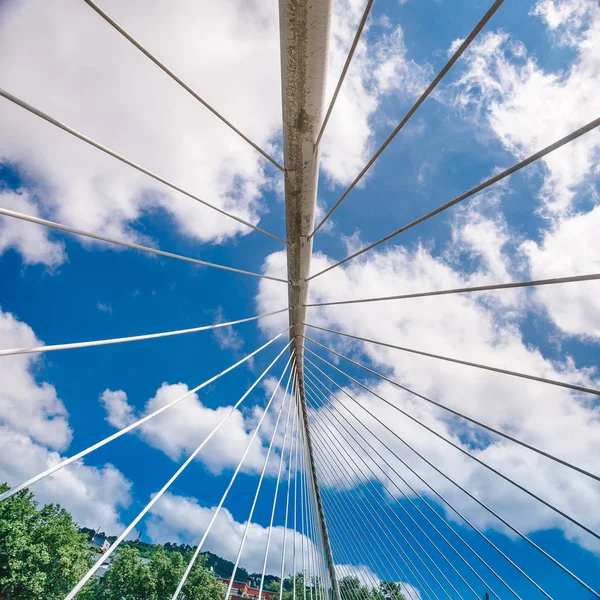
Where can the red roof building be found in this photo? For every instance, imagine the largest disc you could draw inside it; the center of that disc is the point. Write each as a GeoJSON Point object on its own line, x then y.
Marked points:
{"type": "Point", "coordinates": [239, 589]}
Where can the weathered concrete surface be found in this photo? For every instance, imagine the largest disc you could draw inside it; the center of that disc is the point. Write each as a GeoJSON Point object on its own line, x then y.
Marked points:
{"type": "Point", "coordinates": [304, 39]}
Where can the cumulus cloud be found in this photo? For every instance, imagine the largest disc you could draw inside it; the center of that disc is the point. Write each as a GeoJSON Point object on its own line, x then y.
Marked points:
{"type": "Point", "coordinates": [27, 406]}
{"type": "Point", "coordinates": [381, 66]}
{"type": "Point", "coordinates": [89, 76]}
{"type": "Point", "coordinates": [471, 327]}
{"type": "Point", "coordinates": [179, 430]}
{"type": "Point", "coordinates": [34, 427]}
{"type": "Point", "coordinates": [527, 107]}
{"type": "Point", "coordinates": [185, 520]}
{"type": "Point", "coordinates": [31, 241]}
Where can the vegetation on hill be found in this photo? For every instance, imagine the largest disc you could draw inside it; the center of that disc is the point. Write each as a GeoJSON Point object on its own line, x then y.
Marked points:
{"type": "Point", "coordinates": [43, 554]}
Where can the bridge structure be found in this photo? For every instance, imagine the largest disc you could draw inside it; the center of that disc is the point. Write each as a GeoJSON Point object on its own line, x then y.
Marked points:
{"type": "Point", "coordinates": [417, 545]}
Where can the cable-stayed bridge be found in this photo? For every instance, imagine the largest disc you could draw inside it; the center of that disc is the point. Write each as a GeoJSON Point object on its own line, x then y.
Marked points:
{"type": "Point", "coordinates": [331, 437]}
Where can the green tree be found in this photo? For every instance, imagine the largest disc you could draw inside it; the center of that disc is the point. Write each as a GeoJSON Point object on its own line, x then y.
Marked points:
{"type": "Point", "coordinates": [389, 590]}
{"type": "Point", "coordinates": [128, 577]}
{"type": "Point", "coordinates": [42, 553]}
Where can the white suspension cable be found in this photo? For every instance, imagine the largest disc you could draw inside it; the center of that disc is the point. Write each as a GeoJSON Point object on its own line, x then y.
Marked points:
{"type": "Point", "coordinates": [332, 414]}
{"type": "Point", "coordinates": [429, 486]}
{"type": "Point", "coordinates": [386, 540]}
{"type": "Point", "coordinates": [467, 290]}
{"type": "Point", "coordinates": [483, 505]}
{"type": "Point", "coordinates": [258, 488]}
{"type": "Point", "coordinates": [465, 417]}
{"type": "Point", "coordinates": [465, 452]}
{"type": "Point", "coordinates": [359, 539]}
{"type": "Point", "coordinates": [455, 56]}
{"type": "Point", "coordinates": [287, 500]}
{"type": "Point", "coordinates": [133, 338]}
{"type": "Point", "coordinates": [103, 238]}
{"type": "Point", "coordinates": [129, 162]}
{"type": "Point", "coordinates": [157, 496]}
{"type": "Point", "coordinates": [344, 464]}
{"type": "Point", "coordinates": [322, 563]}
{"type": "Point", "coordinates": [135, 425]}
{"type": "Point", "coordinates": [294, 573]}
{"type": "Point", "coordinates": [276, 493]}
{"type": "Point", "coordinates": [317, 581]}
{"type": "Point", "coordinates": [174, 77]}
{"type": "Point", "coordinates": [233, 478]}
{"type": "Point", "coordinates": [577, 388]}
{"type": "Point", "coordinates": [482, 186]}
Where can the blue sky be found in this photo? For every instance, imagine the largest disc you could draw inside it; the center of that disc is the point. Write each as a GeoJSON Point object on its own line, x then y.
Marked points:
{"type": "Point", "coordinates": [529, 79]}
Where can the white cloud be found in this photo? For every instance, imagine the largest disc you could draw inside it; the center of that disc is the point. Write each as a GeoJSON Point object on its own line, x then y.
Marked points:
{"type": "Point", "coordinates": [570, 247]}
{"type": "Point", "coordinates": [472, 327]}
{"type": "Point", "coordinates": [227, 338]}
{"type": "Point", "coordinates": [364, 574]}
{"type": "Point", "coordinates": [74, 66]}
{"type": "Point", "coordinates": [93, 495]}
{"type": "Point", "coordinates": [180, 429]}
{"type": "Point", "coordinates": [31, 241]}
{"type": "Point", "coordinates": [34, 425]}
{"type": "Point", "coordinates": [527, 107]}
{"type": "Point", "coordinates": [184, 519]}
{"type": "Point", "coordinates": [380, 67]}
{"type": "Point", "coordinates": [107, 308]}
{"type": "Point", "coordinates": [27, 406]}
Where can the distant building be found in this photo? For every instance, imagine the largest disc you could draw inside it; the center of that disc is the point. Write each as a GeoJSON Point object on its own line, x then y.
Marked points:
{"type": "Point", "coordinates": [239, 589]}
{"type": "Point", "coordinates": [100, 542]}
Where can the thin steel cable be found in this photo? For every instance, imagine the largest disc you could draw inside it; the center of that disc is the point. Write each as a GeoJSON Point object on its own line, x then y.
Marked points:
{"type": "Point", "coordinates": [258, 488]}
{"type": "Point", "coordinates": [466, 453]}
{"type": "Point", "coordinates": [94, 568]}
{"type": "Point", "coordinates": [345, 456]}
{"type": "Point", "coordinates": [344, 542]}
{"type": "Point", "coordinates": [343, 554]}
{"type": "Point", "coordinates": [294, 573]}
{"type": "Point", "coordinates": [103, 238]}
{"type": "Point", "coordinates": [429, 486]}
{"type": "Point", "coordinates": [359, 538]}
{"type": "Point", "coordinates": [338, 87]}
{"type": "Point", "coordinates": [301, 475]}
{"type": "Point", "coordinates": [414, 572]}
{"type": "Point", "coordinates": [287, 501]}
{"type": "Point", "coordinates": [310, 529]}
{"type": "Point", "coordinates": [390, 537]}
{"type": "Point", "coordinates": [333, 412]}
{"type": "Point", "coordinates": [321, 566]}
{"type": "Point", "coordinates": [174, 77]}
{"type": "Point", "coordinates": [482, 186]}
{"type": "Point", "coordinates": [564, 384]}
{"type": "Point", "coordinates": [123, 159]}
{"type": "Point", "coordinates": [465, 44]}
{"type": "Point", "coordinates": [133, 338]}
{"type": "Point", "coordinates": [276, 492]}
{"type": "Point", "coordinates": [467, 290]}
{"type": "Point", "coordinates": [463, 416]}
{"type": "Point", "coordinates": [217, 510]}
{"type": "Point", "coordinates": [135, 425]}
{"type": "Point", "coordinates": [511, 527]}
{"type": "Point", "coordinates": [375, 544]}
{"type": "Point", "coordinates": [318, 552]}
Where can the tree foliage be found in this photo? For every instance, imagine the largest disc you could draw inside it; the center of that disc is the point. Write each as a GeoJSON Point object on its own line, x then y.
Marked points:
{"type": "Point", "coordinates": [42, 553]}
